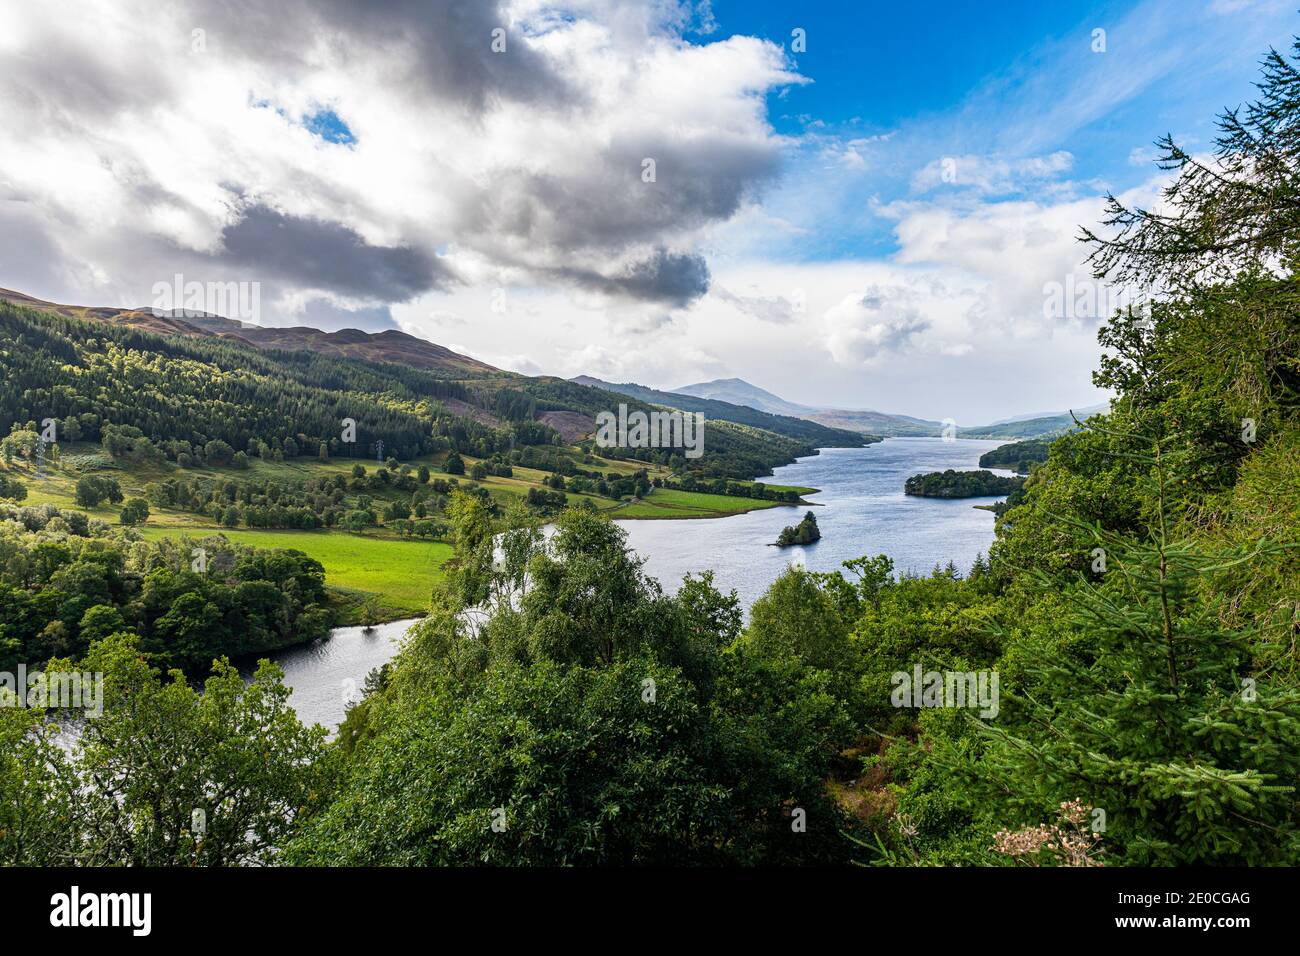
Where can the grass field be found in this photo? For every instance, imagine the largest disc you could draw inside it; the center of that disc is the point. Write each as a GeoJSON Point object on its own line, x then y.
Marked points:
{"type": "Point", "coordinates": [667, 503]}
{"type": "Point", "coordinates": [400, 574]}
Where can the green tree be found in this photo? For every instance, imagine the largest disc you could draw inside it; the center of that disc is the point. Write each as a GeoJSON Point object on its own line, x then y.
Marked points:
{"type": "Point", "coordinates": [795, 618]}
{"type": "Point", "coordinates": [39, 802]}
{"type": "Point", "coordinates": [555, 707]}
{"type": "Point", "coordinates": [218, 453]}
{"type": "Point", "coordinates": [168, 776]}
{"type": "Point", "coordinates": [99, 622]}
{"type": "Point", "coordinates": [94, 489]}
{"type": "Point", "coordinates": [135, 511]}
{"type": "Point", "coordinates": [1158, 718]}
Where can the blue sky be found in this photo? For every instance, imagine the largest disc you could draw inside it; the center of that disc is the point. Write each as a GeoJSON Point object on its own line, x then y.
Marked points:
{"type": "Point", "coordinates": [1014, 80]}
{"type": "Point", "coordinates": [922, 58]}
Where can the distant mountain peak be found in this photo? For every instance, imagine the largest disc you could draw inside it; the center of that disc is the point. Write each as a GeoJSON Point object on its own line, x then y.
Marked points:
{"type": "Point", "coordinates": [740, 392]}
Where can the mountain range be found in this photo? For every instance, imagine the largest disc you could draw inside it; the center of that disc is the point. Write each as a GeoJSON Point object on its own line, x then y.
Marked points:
{"type": "Point", "coordinates": [737, 391]}
{"type": "Point", "coordinates": [725, 399]}
{"type": "Point", "coordinates": [211, 377]}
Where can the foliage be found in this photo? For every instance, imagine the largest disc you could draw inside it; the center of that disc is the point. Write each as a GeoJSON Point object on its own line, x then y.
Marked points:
{"type": "Point", "coordinates": [580, 716]}
{"type": "Point", "coordinates": [164, 776]}
{"type": "Point", "coordinates": [805, 532]}
{"type": "Point", "coordinates": [961, 484]}
{"type": "Point", "coordinates": [1019, 456]}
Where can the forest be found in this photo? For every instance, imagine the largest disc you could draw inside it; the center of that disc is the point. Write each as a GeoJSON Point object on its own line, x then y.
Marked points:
{"type": "Point", "coordinates": [216, 401]}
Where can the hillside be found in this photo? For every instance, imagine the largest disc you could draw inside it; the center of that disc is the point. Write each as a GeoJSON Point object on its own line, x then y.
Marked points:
{"type": "Point", "coordinates": [390, 345]}
{"type": "Point", "coordinates": [877, 423]}
{"type": "Point", "coordinates": [1019, 456]}
{"type": "Point", "coordinates": [1048, 427]}
{"type": "Point", "coordinates": [214, 378]}
{"type": "Point", "coordinates": [739, 392]}
{"type": "Point", "coordinates": [210, 434]}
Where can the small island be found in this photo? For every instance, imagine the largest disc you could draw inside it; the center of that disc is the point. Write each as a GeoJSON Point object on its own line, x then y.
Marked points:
{"type": "Point", "coordinates": [961, 484]}
{"type": "Point", "coordinates": [805, 532]}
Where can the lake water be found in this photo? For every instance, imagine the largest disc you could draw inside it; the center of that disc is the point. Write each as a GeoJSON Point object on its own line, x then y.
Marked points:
{"type": "Point", "coordinates": [863, 511]}
{"type": "Point", "coordinates": [327, 675]}
{"type": "Point", "coordinates": [860, 508]}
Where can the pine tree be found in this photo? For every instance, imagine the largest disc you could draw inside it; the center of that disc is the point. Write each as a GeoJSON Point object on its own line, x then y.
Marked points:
{"type": "Point", "coordinates": [1155, 716]}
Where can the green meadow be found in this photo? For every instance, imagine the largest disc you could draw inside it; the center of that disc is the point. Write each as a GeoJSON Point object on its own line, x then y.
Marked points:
{"type": "Point", "coordinates": [398, 574]}
{"type": "Point", "coordinates": [669, 503]}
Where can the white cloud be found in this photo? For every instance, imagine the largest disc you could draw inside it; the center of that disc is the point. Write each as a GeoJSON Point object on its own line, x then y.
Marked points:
{"type": "Point", "coordinates": [867, 328]}
{"type": "Point", "coordinates": [146, 155]}
{"type": "Point", "coordinates": [992, 174]}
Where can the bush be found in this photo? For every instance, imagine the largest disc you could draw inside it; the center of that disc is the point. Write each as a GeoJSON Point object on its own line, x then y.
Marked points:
{"type": "Point", "coordinates": [12, 488]}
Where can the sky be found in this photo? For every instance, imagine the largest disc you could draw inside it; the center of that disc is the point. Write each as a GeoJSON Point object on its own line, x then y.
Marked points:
{"type": "Point", "coordinates": [851, 205]}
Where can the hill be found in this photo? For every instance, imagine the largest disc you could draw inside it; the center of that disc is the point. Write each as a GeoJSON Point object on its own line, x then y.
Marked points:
{"type": "Point", "coordinates": [1019, 456]}
{"type": "Point", "coordinates": [1049, 427]}
{"type": "Point", "coordinates": [187, 381]}
{"type": "Point", "coordinates": [714, 411]}
{"type": "Point", "coordinates": [739, 392]}
{"type": "Point", "coordinates": [391, 345]}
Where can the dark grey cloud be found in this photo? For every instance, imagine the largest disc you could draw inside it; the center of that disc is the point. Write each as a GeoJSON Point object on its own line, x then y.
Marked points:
{"type": "Point", "coordinates": [608, 205]}
{"type": "Point", "coordinates": [592, 221]}
{"type": "Point", "coordinates": [328, 256]}
{"type": "Point", "coordinates": [441, 46]}
{"type": "Point", "coordinates": [672, 278]}
{"type": "Point", "coordinates": [668, 278]}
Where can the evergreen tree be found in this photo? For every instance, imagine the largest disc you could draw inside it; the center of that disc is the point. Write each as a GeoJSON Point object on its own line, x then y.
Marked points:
{"type": "Point", "coordinates": [1153, 714]}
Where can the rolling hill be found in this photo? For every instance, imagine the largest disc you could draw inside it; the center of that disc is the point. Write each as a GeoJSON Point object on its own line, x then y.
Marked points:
{"type": "Point", "coordinates": [865, 421]}
{"type": "Point", "coordinates": [1043, 427]}
{"type": "Point", "coordinates": [391, 345]}
{"type": "Point", "coordinates": [187, 379]}
{"type": "Point", "coordinates": [716, 410]}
